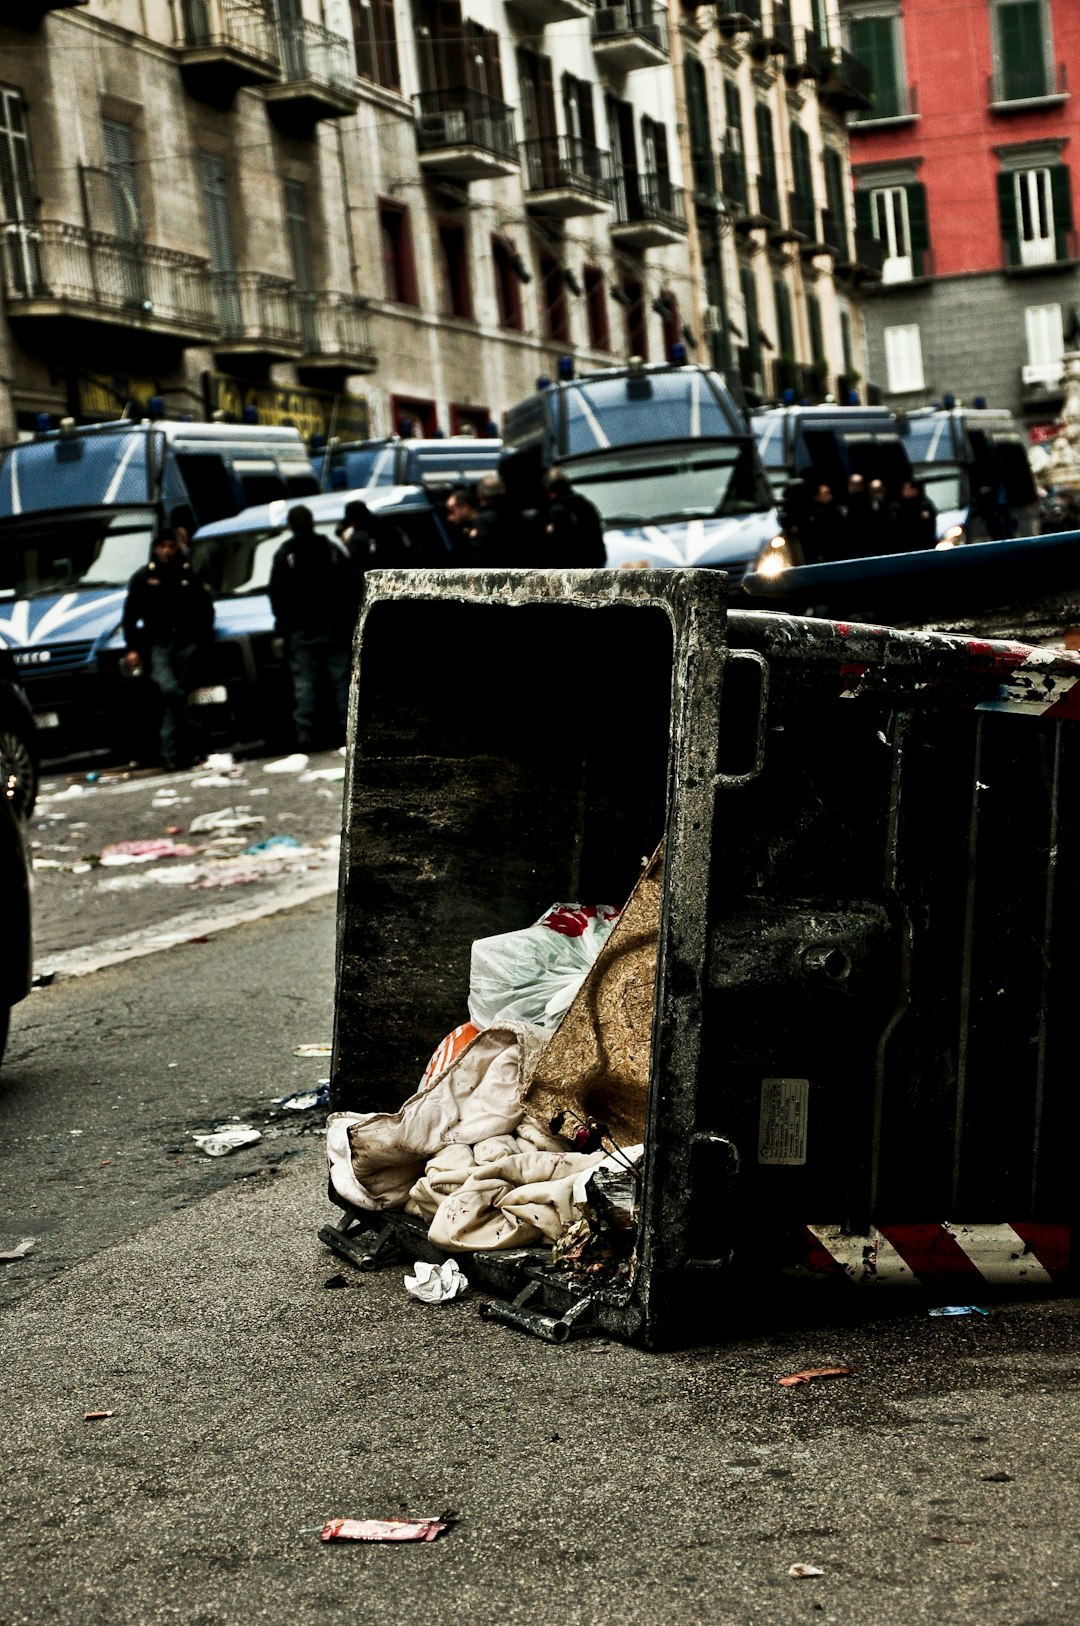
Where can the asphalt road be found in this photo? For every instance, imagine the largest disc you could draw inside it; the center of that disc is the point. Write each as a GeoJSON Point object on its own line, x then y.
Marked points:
{"type": "Point", "coordinates": [591, 1483]}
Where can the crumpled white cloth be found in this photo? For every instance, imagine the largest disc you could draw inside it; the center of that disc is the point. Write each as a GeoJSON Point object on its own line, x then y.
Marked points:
{"type": "Point", "coordinates": [436, 1284]}
{"type": "Point", "coordinates": [505, 1192]}
{"type": "Point", "coordinates": [377, 1157]}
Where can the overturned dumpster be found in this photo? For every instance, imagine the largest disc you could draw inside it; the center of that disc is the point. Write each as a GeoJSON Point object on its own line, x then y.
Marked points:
{"type": "Point", "coordinates": [834, 1009]}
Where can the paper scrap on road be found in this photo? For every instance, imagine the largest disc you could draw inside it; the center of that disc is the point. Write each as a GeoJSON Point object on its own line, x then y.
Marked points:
{"type": "Point", "coordinates": [958, 1309]}
{"type": "Point", "coordinates": [294, 764]}
{"type": "Point", "coordinates": [142, 852]}
{"type": "Point", "coordinates": [803, 1572]}
{"type": "Point", "coordinates": [813, 1373]}
{"type": "Point", "coordinates": [19, 1251]}
{"type": "Point", "coordinates": [312, 774]}
{"type": "Point", "coordinates": [382, 1529]}
{"type": "Point", "coordinates": [313, 1050]}
{"type": "Point", "coordinates": [436, 1284]}
{"type": "Point", "coordinates": [304, 1100]}
{"type": "Point", "coordinates": [226, 818]}
{"type": "Point", "coordinates": [227, 1139]}
{"type": "Point", "coordinates": [95, 1416]}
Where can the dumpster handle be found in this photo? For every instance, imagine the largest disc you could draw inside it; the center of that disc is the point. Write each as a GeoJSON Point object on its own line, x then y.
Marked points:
{"type": "Point", "coordinates": [749, 657]}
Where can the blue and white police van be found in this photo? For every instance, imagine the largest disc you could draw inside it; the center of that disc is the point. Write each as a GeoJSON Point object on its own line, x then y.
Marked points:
{"type": "Point", "coordinates": [79, 508]}
{"type": "Point", "coordinates": [437, 465]}
{"type": "Point", "coordinates": [974, 466]}
{"type": "Point", "coordinates": [663, 451]}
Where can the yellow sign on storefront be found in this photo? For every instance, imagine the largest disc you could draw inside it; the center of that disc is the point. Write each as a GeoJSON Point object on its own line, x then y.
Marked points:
{"type": "Point", "coordinates": [313, 412]}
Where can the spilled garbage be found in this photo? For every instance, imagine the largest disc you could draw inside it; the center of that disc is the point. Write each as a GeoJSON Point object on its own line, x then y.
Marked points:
{"type": "Point", "coordinates": [383, 1529]}
{"type": "Point", "coordinates": [517, 1137]}
{"type": "Point", "coordinates": [227, 1138]}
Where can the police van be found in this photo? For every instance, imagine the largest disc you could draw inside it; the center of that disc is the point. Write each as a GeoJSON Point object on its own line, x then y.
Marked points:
{"type": "Point", "coordinates": [79, 508]}
{"type": "Point", "coordinates": [664, 452]}
{"type": "Point", "coordinates": [436, 465]}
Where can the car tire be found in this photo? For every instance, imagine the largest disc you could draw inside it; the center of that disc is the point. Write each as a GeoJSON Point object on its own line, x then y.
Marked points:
{"type": "Point", "coordinates": [18, 765]}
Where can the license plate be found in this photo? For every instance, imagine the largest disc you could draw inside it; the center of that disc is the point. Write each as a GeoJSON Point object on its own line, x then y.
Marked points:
{"type": "Point", "coordinates": [216, 695]}
{"type": "Point", "coordinates": [47, 719]}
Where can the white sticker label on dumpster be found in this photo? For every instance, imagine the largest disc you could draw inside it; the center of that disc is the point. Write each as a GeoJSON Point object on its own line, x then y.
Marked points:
{"type": "Point", "coordinates": [782, 1125]}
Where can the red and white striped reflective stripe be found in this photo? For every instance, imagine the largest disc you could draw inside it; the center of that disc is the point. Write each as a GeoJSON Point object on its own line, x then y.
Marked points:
{"type": "Point", "coordinates": [1019, 1255]}
{"type": "Point", "coordinates": [444, 1053]}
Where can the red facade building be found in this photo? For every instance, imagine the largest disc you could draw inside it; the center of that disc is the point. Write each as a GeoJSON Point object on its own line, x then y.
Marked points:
{"type": "Point", "coordinates": [966, 170]}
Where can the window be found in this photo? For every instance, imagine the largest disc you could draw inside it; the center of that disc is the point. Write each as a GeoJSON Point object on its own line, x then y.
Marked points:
{"type": "Point", "coordinates": [1045, 344]}
{"type": "Point", "coordinates": [375, 38]}
{"type": "Point", "coordinates": [896, 217]}
{"type": "Point", "coordinates": [903, 359]}
{"type": "Point", "coordinates": [786, 377]}
{"type": "Point", "coordinates": [507, 284]}
{"type": "Point", "coordinates": [413, 418]}
{"type": "Point", "coordinates": [878, 42]}
{"type": "Point", "coordinates": [119, 143]}
{"type": "Point", "coordinates": [399, 268]}
{"type": "Point", "coordinates": [768, 191]}
{"type": "Point", "coordinates": [732, 161]}
{"type": "Point", "coordinates": [637, 332]}
{"type": "Point", "coordinates": [750, 349]}
{"type": "Point", "coordinates": [697, 108]}
{"type": "Point", "coordinates": [835, 223]}
{"type": "Point", "coordinates": [596, 310]}
{"type": "Point", "coordinates": [1023, 62]}
{"type": "Point", "coordinates": [298, 234]}
{"type": "Point", "coordinates": [553, 300]}
{"type": "Point", "coordinates": [215, 190]}
{"type": "Point", "coordinates": [1035, 207]}
{"type": "Point", "coordinates": [454, 265]}
{"type": "Point", "coordinates": [803, 211]}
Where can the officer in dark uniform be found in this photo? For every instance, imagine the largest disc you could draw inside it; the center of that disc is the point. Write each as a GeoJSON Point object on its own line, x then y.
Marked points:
{"type": "Point", "coordinates": [168, 625]}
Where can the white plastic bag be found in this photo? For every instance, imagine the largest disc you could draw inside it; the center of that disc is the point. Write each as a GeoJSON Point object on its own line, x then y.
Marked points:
{"type": "Point", "coordinates": [531, 976]}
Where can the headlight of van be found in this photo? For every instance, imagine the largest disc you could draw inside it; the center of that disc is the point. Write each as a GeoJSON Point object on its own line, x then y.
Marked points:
{"type": "Point", "coordinates": [954, 537]}
{"type": "Point", "coordinates": [775, 559]}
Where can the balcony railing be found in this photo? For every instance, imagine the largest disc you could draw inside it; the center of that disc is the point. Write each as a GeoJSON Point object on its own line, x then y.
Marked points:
{"type": "Point", "coordinates": [890, 103]}
{"type": "Point", "coordinates": [737, 16]}
{"type": "Point", "coordinates": [631, 35]}
{"type": "Point", "coordinates": [462, 117]}
{"type": "Point", "coordinates": [864, 265]}
{"type": "Point", "coordinates": [566, 163]}
{"type": "Point", "coordinates": [1012, 83]}
{"type": "Point", "coordinates": [257, 312]}
{"type": "Point", "coordinates": [335, 332]}
{"type": "Point", "coordinates": [310, 51]}
{"type": "Point", "coordinates": [55, 268]}
{"type": "Point", "coordinates": [237, 25]}
{"type": "Point", "coordinates": [846, 85]}
{"type": "Point", "coordinates": [642, 198]}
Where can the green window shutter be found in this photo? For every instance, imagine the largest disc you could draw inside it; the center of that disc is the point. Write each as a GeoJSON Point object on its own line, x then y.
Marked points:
{"type": "Point", "coordinates": [817, 341]}
{"type": "Point", "coordinates": [864, 214]}
{"type": "Point", "coordinates": [834, 191]}
{"type": "Point", "coordinates": [1061, 198]}
{"type": "Point", "coordinates": [873, 41]}
{"type": "Point", "coordinates": [749, 293]}
{"type": "Point", "coordinates": [918, 225]}
{"type": "Point", "coordinates": [1021, 50]}
{"type": "Point", "coordinates": [785, 332]}
{"type": "Point", "coordinates": [1010, 230]}
{"type": "Point", "coordinates": [697, 107]}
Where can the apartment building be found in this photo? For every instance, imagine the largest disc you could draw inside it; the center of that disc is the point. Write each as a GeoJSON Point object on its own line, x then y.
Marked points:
{"type": "Point", "coordinates": [770, 89]}
{"type": "Point", "coordinates": [965, 171]}
{"type": "Point", "coordinates": [354, 216]}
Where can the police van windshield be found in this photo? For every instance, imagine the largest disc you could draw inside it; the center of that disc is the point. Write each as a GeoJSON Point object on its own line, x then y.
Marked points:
{"type": "Point", "coordinates": [685, 480]}
{"type": "Point", "coordinates": [240, 562]}
{"type": "Point", "coordinates": [73, 553]}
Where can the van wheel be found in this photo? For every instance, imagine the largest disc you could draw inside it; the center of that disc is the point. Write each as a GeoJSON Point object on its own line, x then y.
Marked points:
{"type": "Point", "coordinates": [20, 780]}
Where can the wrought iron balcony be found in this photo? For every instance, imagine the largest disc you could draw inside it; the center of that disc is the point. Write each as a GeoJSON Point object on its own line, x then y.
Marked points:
{"type": "Point", "coordinates": [649, 211]}
{"type": "Point", "coordinates": [864, 265]}
{"type": "Point", "coordinates": [464, 135]}
{"type": "Point", "coordinates": [805, 59]}
{"type": "Point", "coordinates": [54, 269]}
{"type": "Point", "coordinates": [629, 36]}
{"type": "Point", "coordinates": [225, 44]}
{"type": "Point", "coordinates": [319, 76]}
{"type": "Point", "coordinates": [257, 315]}
{"type": "Point", "coordinates": [738, 17]}
{"type": "Point", "coordinates": [1012, 87]}
{"type": "Point", "coordinates": [892, 104]}
{"type": "Point", "coordinates": [1059, 252]}
{"type": "Point", "coordinates": [846, 86]}
{"type": "Point", "coordinates": [776, 35]}
{"type": "Point", "coordinates": [336, 335]}
{"type": "Point", "coordinates": [566, 176]}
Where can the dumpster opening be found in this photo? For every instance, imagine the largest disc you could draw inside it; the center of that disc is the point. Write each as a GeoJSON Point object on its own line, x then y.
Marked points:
{"type": "Point", "coordinates": [859, 1017]}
